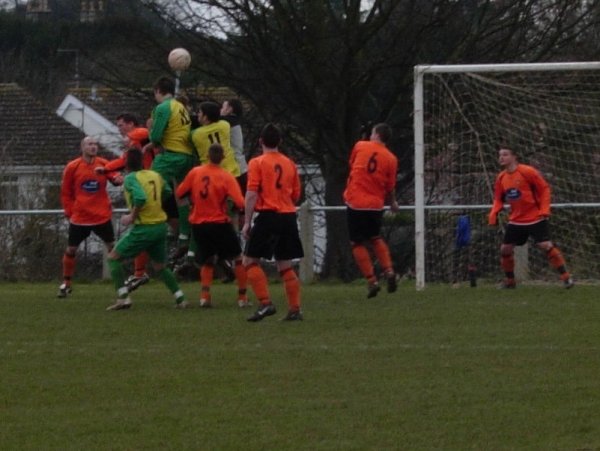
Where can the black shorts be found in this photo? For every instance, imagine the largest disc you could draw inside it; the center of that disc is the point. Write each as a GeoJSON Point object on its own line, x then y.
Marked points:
{"type": "Point", "coordinates": [274, 235]}
{"type": "Point", "coordinates": [215, 239]}
{"type": "Point", "coordinates": [363, 224]}
{"type": "Point", "coordinates": [169, 206]}
{"type": "Point", "coordinates": [518, 234]}
{"type": "Point", "coordinates": [78, 233]}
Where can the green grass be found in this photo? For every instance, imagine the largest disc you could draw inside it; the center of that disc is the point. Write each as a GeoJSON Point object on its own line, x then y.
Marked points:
{"type": "Point", "coordinates": [441, 369]}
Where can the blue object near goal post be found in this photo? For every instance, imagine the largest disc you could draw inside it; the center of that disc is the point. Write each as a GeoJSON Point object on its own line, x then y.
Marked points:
{"type": "Point", "coordinates": [463, 231]}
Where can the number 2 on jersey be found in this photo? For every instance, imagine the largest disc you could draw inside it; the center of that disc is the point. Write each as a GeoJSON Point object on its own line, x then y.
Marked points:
{"type": "Point", "coordinates": [279, 171]}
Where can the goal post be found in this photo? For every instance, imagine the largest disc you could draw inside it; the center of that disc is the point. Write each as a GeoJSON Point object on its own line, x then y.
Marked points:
{"type": "Point", "coordinates": [550, 114]}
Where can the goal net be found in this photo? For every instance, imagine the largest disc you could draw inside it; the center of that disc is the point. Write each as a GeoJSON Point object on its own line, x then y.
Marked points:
{"type": "Point", "coordinates": [550, 115]}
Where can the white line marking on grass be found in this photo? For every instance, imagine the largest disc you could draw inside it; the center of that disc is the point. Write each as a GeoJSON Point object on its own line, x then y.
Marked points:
{"type": "Point", "coordinates": [22, 348]}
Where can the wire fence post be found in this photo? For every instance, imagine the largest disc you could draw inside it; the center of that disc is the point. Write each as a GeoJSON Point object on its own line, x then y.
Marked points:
{"type": "Point", "coordinates": [306, 217]}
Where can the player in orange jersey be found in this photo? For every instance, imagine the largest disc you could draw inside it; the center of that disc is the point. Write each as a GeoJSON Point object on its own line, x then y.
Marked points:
{"type": "Point", "coordinates": [273, 191]}
{"type": "Point", "coordinates": [86, 205]}
{"type": "Point", "coordinates": [208, 188]}
{"type": "Point", "coordinates": [528, 194]}
{"type": "Point", "coordinates": [212, 130]}
{"type": "Point", "coordinates": [372, 179]}
{"type": "Point", "coordinates": [133, 136]}
{"type": "Point", "coordinates": [136, 137]}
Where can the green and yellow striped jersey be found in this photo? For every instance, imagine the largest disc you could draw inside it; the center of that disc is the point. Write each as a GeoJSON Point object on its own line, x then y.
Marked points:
{"type": "Point", "coordinates": [146, 189]}
{"type": "Point", "coordinates": [171, 126]}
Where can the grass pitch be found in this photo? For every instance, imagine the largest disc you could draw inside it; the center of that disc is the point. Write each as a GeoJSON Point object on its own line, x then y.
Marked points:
{"type": "Point", "coordinates": [449, 369]}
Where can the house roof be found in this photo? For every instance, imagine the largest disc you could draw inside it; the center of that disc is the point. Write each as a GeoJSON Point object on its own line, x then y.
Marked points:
{"type": "Point", "coordinates": [110, 102]}
{"type": "Point", "coordinates": [31, 133]}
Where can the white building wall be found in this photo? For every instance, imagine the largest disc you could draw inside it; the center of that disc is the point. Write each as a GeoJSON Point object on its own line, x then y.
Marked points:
{"type": "Point", "coordinates": [92, 123]}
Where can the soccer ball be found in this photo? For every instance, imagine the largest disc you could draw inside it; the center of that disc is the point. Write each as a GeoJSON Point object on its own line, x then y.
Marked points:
{"type": "Point", "coordinates": [179, 59]}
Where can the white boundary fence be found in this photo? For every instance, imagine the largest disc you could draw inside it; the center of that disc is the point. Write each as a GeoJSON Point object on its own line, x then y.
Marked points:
{"type": "Point", "coordinates": [306, 219]}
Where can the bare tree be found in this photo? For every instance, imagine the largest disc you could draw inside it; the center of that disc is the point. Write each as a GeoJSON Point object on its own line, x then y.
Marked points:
{"type": "Point", "coordinates": [321, 68]}
{"type": "Point", "coordinates": [9, 4]}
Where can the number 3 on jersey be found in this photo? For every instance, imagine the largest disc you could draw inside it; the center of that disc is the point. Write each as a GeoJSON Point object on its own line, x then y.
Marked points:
{"type": "Point", "coordinates": [205, 183]}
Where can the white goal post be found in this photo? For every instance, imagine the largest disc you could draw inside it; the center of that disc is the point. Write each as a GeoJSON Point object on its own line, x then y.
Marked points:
{"type": "Point", "coordinates": [550, 113]}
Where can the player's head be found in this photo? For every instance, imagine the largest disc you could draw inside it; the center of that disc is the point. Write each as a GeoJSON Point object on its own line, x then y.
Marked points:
{"type": "Point", "coordinates": [138, 137]}
{"type": "Point", "coordinates": [209, 112]}
{"type": "Point", "coordinates": [506, 155]}
{"type": "Point", "coordinates": [215, 153]}
{"type": "Point", "coordinates": [365, 130]}
{"type": "Point", "coordinates": [232, 107]}
{"type": "Point", "coordinates": [381, 132]}
{"type": "Point", "coordinates": [270, 136]}
{"type": "Point", "coordinates": [185, 100]}
{"type": "Point", "coordinates": [126, 122]}
{"type": "Point", "coordinates": [89, 146]}
{"type": "Point", "coordinates": [507, 146]}
{"type": "Point", "coordinates": [162, 87]}
{"type": "Point", "coordinates": [134, 159]}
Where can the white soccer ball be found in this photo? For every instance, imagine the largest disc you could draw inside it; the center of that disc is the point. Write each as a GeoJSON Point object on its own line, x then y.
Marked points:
{"type": "Point", "coordinates": [179, 59]}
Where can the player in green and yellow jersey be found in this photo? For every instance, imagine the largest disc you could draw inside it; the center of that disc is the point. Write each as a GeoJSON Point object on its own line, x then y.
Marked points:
{"type": "Point", "coordinates": [170, 132]}
{"type": "Point", "coordinates": [214, 130]}
{"type": "Point", "coordinates": [144, 191]}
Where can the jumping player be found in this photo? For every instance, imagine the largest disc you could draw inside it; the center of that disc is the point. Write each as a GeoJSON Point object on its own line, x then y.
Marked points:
{"type": "Point", "coordinates": [170, 133]}
{"type": "Point", "coordinates": [372, 179]}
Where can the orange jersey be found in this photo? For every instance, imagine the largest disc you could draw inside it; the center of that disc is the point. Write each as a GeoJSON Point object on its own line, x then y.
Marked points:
{"type": "Point", "coordinates": [209, 186]}
{"type": "Point", "coordinates": [275, 178]}
{"type": "Point", "coordinates": [372, 176]}
{"type": "Point", "coordinates": [527, 193]}
{"type": "Point", "coordinates": [120, 163]}
{"type": "Point", "coordinates": [83, 192]}
{"type": "Point", "coordinates": [138, 137]}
